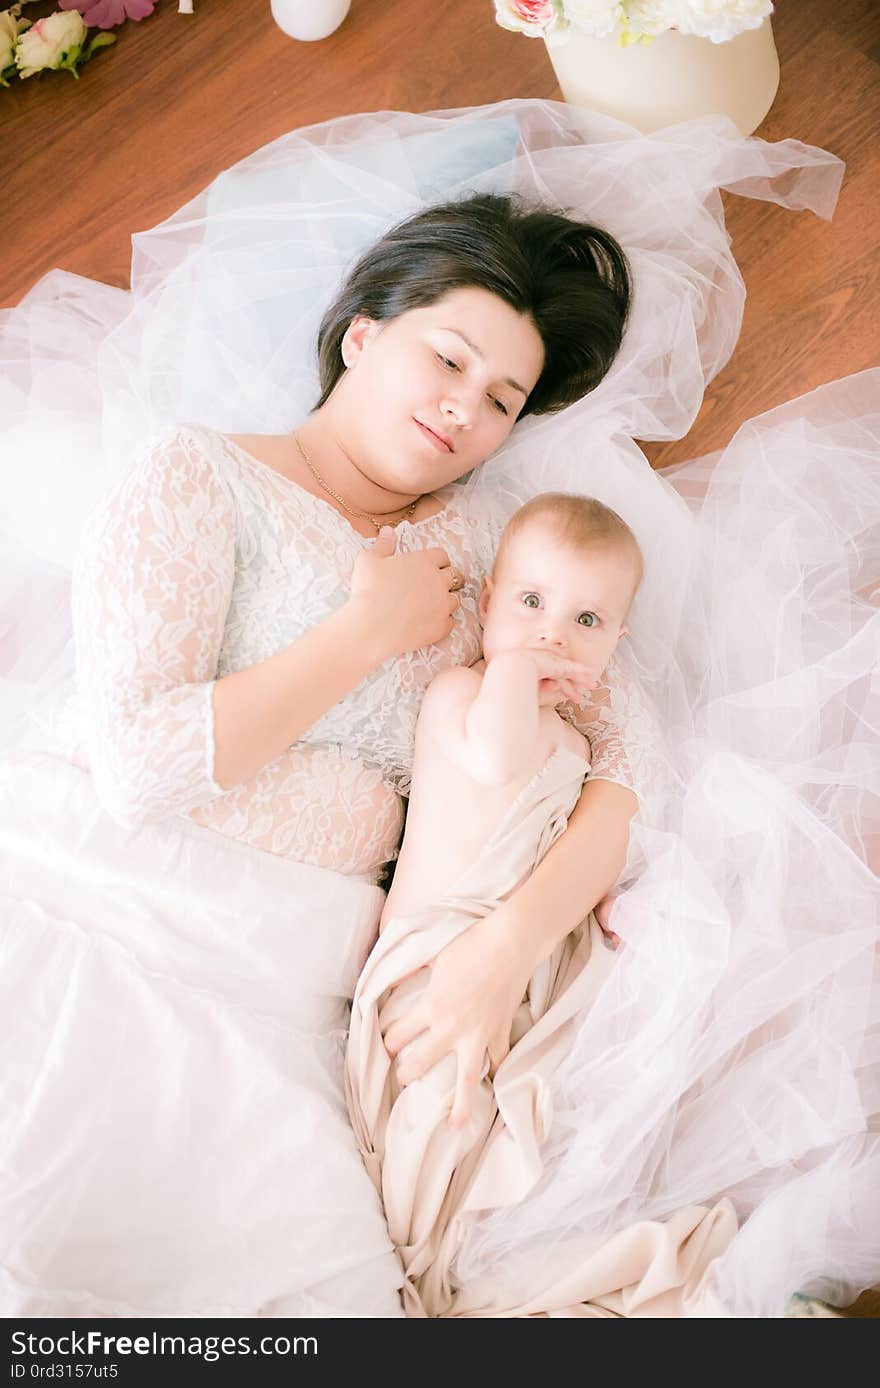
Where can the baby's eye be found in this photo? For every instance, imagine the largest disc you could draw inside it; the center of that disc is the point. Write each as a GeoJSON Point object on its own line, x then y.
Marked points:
{"type": "Point", "coordinates": [588, 619]}
{"type": "Point", "coordinates": [447, 361]}
{"type": "Point", "coordinates": [531, 600]}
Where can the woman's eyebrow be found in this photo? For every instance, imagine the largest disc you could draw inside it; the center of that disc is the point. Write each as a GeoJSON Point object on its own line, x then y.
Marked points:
{"type": "Point", "coordinates": [507, 380]}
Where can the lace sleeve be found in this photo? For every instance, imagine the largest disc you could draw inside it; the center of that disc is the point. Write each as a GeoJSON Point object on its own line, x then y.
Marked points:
{"type": "Point", "coordinates": [625, 741]}
{"type": "Point", "coordinates": [151, 593]}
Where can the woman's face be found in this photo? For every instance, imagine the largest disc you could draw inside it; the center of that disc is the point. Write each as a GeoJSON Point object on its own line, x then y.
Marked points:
{"type": "Point", "coordinates": [427, 396]}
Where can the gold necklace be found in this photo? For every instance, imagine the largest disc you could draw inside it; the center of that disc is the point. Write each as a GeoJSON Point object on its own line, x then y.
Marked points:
{"type": "Point", "coordinates": [362, 515]}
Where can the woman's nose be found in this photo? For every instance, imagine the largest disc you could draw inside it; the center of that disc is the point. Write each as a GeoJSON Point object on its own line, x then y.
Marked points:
{"type": "Point", "coordinates": [458, 406]}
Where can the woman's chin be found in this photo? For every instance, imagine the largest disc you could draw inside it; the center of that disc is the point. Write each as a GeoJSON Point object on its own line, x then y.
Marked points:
{"type": "Point", "coordinates": [411, 478]}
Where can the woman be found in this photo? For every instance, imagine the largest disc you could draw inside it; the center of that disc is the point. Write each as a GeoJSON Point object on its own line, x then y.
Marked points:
{"type": "Point", "coordinates": [214, 944]}
{"type": "Point", "coordinates": [248, 663]}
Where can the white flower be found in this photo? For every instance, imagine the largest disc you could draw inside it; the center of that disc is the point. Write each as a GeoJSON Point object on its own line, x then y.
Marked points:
{"type": "Point", "coordinates": [720, 20]}
{"type": "Point", "coordinates": [651, 17]}
{"type": "Point", "coordinates": [10, 28]}
{"type": "Point", "coordinates": [630, 20]}
{"type": "Point", "coordinates": [8, 36]}
{"type": "Point", "coordinates": [598, 18]}
{"type": "Point", "coordinates": [53, 42]}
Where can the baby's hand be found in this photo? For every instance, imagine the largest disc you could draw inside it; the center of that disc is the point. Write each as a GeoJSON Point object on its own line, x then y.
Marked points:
{"type": "Point", "coordinates": [573, 680]}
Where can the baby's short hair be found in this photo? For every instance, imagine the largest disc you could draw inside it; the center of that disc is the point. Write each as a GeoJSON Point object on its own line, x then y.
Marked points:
{"type": "Point", "coordinates": [580, 521]}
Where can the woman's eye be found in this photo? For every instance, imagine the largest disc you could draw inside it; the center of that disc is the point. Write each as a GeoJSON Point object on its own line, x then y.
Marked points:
{"type": "Point", "coordinates": [447, 361]}
{"type": "Point", "coordinates": [531, 600]}
{"type": "Point", "coordinates": [588, 619]}
{"type": "Point", "coordinates": [499, 404]}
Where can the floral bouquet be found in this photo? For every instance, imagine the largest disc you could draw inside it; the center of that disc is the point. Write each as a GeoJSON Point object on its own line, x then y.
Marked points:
{"type": "Point", "coordinates": [632, 21]}
{"type": "Point", "coordinates": [58, 41]}
{"type": "Point", "coordinates": [61, 41]}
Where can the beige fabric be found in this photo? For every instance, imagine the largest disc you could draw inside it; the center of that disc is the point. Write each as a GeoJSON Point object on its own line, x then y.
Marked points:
{"type": "Point", "coordinates": [432, 1179]}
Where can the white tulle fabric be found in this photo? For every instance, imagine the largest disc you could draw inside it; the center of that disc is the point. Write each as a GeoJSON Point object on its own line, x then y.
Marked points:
{"type": "Point", "coordinates": [734, 1049]}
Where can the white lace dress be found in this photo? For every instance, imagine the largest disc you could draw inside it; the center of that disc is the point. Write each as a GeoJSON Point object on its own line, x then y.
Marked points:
{"type": "Point", "coordinates": [179, 958]}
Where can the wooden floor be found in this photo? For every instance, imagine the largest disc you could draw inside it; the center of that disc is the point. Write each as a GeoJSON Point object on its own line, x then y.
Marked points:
{"type": "Point", "coordinates": [152, 120]}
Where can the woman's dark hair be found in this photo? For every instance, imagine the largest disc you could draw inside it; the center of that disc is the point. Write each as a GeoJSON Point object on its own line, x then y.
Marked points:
{"type": "Point", "coordinates": [570, 278]}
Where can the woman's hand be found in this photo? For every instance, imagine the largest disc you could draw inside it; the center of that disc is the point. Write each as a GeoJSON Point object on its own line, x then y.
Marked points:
{"type": "Point", "coordinates": [475, 987]}
{"type": "Point", "coordinates": [602, 912]}
{"type": "Point", "coordinates": [406, 599]}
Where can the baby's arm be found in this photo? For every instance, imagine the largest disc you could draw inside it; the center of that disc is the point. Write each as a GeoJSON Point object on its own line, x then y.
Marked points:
{"type": "Point", "coordinates": [501, 722]}
{"type": "Point", "coordinates": [443, 719]}
{"type": "Point", "coordinates": [489, 721]}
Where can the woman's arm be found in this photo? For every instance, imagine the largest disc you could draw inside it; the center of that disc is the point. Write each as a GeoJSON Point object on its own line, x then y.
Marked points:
{"type": "Point", "coordinates": [260, 712]}
{"type": "Point", "coordinates": [579, 869]}
{"type": "Point", "coordinates": [150, 597]}
{"type": "Point", "coordinates": [478, 982]}
{"type": "Point", "coordinates": [151, 600]}
{"type": "Point", "coordinates": [397, 603]}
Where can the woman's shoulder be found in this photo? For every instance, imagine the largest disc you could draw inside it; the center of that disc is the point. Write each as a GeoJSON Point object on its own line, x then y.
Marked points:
{"type": "Point", "coordinates": [172, 485]}
{"type": "Point", "coordinates": [174, 462]}
{"type": "Point", "coordinates": [183, 448]}
{"type": "Point", "coordinates": [182, 436]}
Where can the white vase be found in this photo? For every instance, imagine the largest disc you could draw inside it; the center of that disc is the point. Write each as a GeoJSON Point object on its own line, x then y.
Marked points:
{"type": "Point", "coordinates": [673, 78]}
{"type": "Point", "coordinates": [309, 19]}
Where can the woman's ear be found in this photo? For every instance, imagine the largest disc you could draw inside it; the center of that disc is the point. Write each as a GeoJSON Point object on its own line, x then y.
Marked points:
{"type": "Point", "coordinates": [359, 332]}
{"type": "Point", "coordinates": [485, 595]}
{"type": "Point", "coordinates": [624, 631]}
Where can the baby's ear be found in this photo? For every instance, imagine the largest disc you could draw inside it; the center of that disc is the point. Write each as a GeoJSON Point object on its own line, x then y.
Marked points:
{"type": "Point", "coordinates": [624, 631]}
{"type": "Point", "coordinates": [485, 595]}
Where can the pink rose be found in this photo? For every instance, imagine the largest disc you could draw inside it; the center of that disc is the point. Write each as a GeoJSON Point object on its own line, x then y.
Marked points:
{"type": "Point", "coordinates": [52, 43]}
{"type": "Point", "coordinates": [106, 14]}
{"type": "Point", "coordinates": [536, 18]}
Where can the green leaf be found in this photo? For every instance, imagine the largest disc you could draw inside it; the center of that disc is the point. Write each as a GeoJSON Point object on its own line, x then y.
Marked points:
{"type": "Point", "coordinates": [100, 40]}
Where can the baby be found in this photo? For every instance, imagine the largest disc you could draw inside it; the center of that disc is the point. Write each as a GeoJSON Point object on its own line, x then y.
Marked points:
{"type": "Point", "coordinates": [552, 611]}
{"type": "Point", "coordinates": [497, 772]}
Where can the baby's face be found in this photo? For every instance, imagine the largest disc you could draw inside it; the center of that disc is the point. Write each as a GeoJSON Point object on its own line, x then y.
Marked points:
{"type": "Point", "coordinates": [549, 594]}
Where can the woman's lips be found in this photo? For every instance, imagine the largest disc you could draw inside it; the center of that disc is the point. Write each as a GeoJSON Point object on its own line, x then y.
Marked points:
{"type": "Point", "coordinates": [433, 438]}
